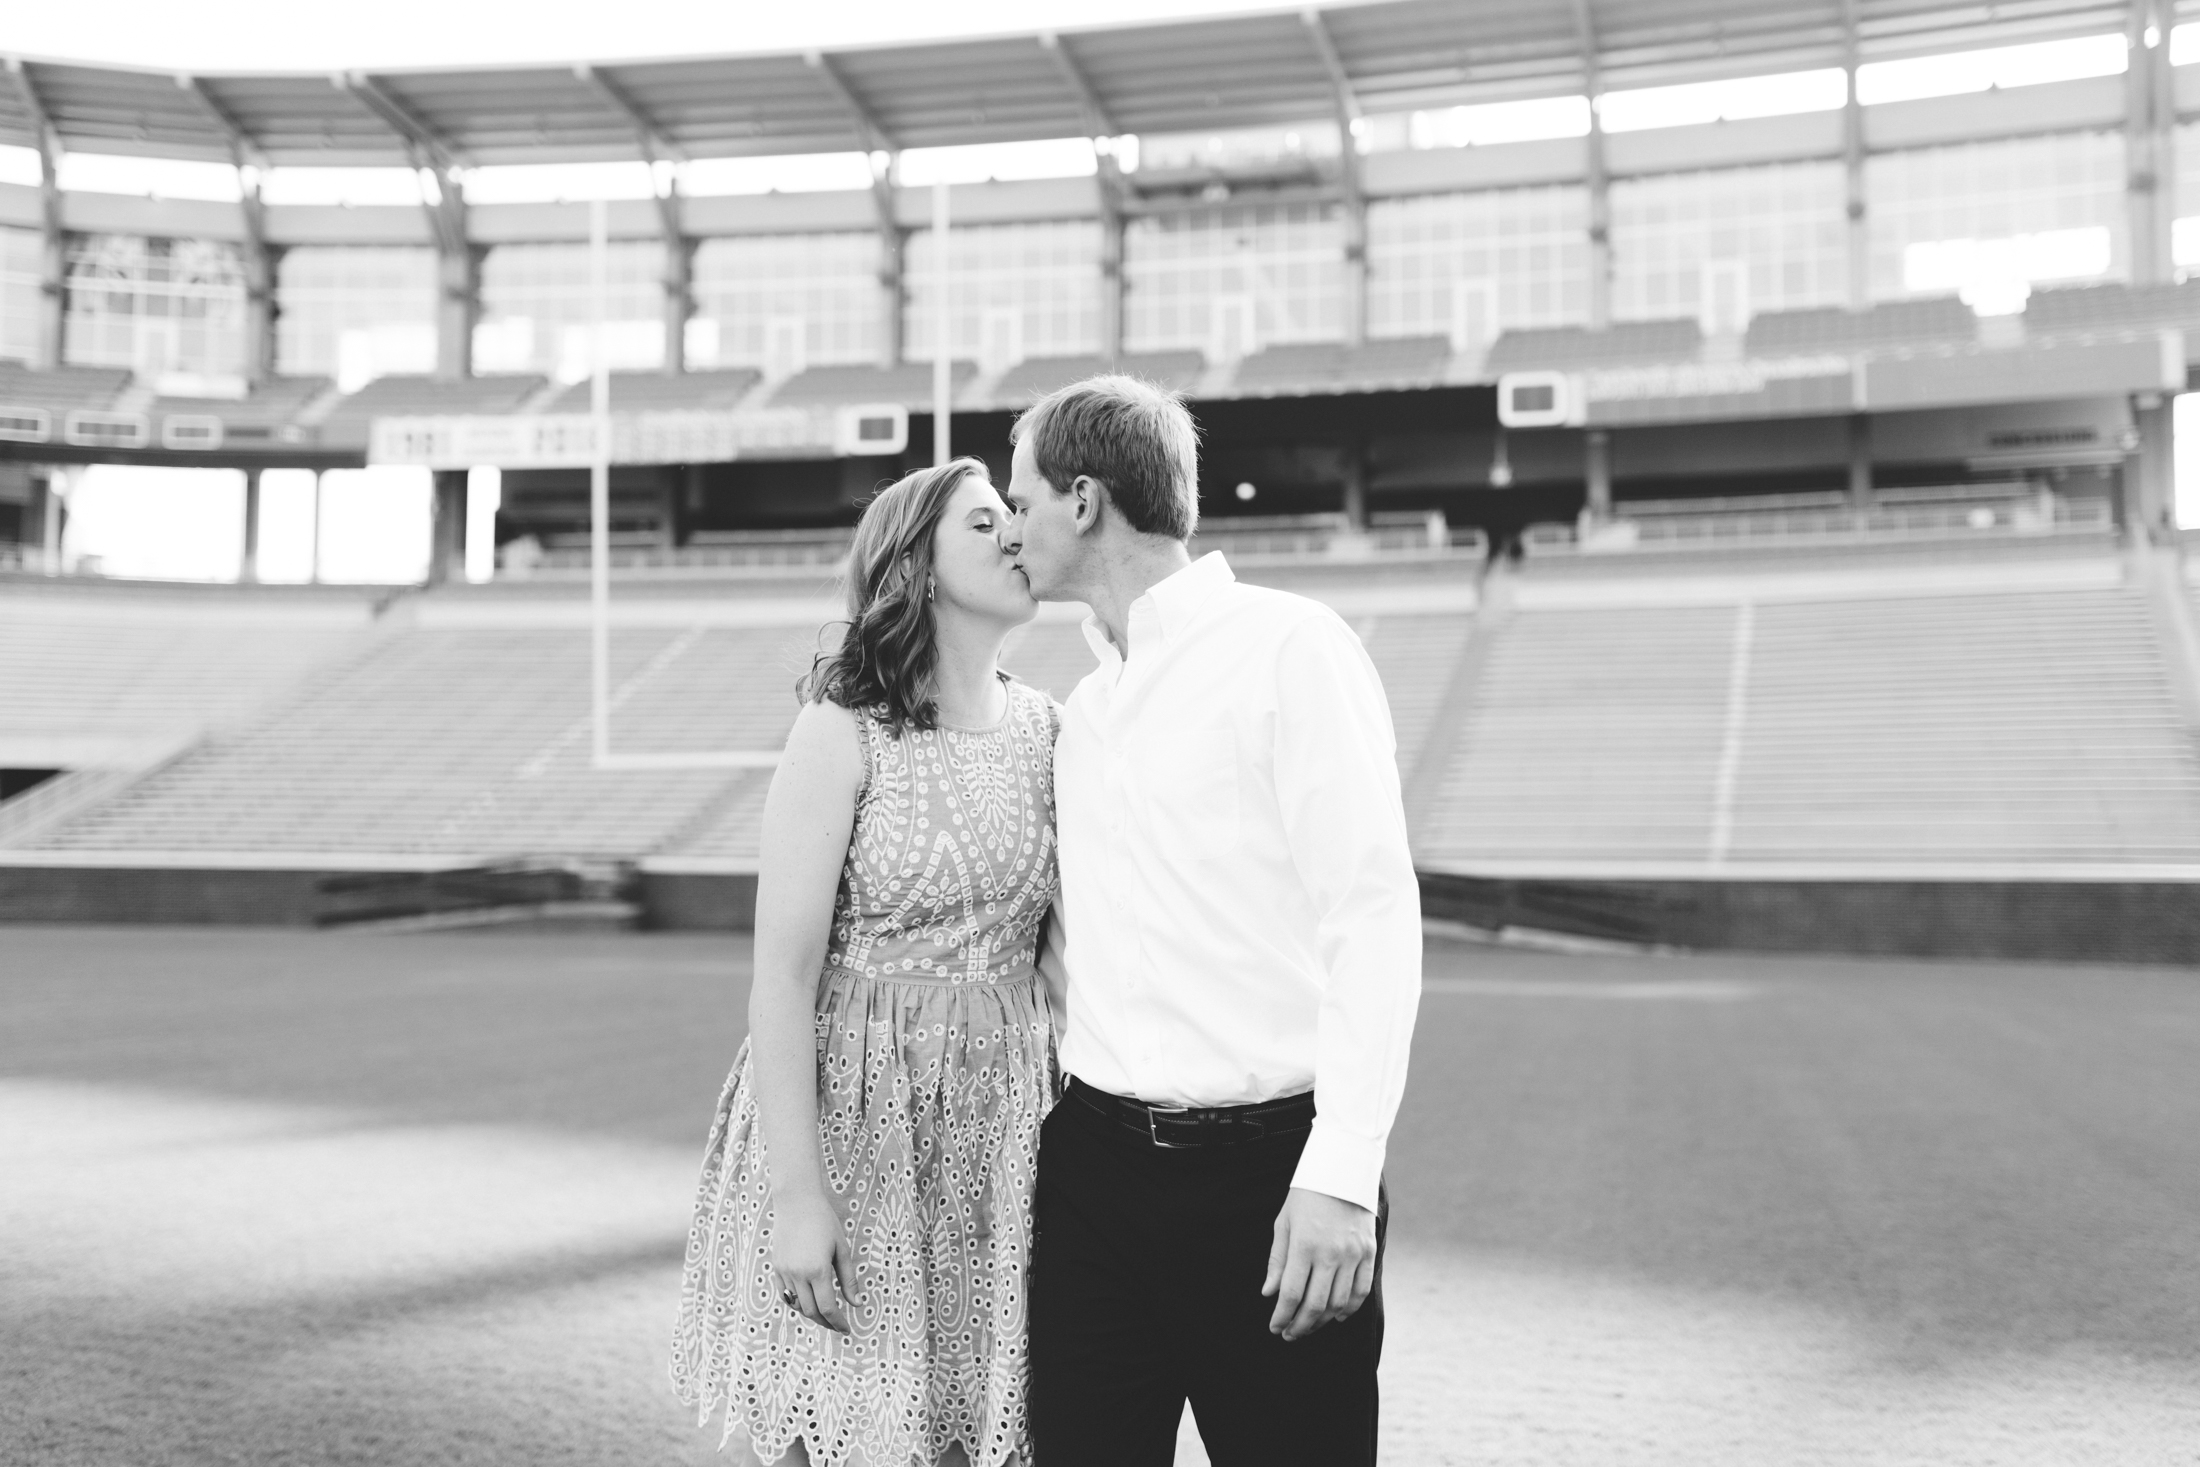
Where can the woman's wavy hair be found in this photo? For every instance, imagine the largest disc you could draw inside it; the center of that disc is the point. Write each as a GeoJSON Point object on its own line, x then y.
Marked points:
{"type": "Point", "coordinates": [888, 659]}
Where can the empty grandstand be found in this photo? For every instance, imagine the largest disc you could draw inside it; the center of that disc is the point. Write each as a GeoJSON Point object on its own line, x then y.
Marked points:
{"type": "Point", "coordinates": [1726, 491]}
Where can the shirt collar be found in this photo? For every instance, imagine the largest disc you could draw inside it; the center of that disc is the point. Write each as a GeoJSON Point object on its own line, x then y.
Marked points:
{"type": "Point", "coordinates": [1168, 606]}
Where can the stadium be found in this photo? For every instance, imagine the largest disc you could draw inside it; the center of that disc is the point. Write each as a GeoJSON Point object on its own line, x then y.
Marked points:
{"type": "Point", "coordinates": [1744, 437]}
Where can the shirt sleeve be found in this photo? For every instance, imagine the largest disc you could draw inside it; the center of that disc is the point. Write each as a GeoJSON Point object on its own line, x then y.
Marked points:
{"type": "Point", "coordinates": [1336, 773]}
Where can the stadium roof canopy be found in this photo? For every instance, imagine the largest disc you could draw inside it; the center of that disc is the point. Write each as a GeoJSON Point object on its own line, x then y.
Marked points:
{"type": "Point", "coordinates": [1181, 76]}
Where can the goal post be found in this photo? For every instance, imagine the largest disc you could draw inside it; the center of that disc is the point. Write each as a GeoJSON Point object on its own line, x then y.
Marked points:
{"type": "Point", "coordinates": [601, 755]}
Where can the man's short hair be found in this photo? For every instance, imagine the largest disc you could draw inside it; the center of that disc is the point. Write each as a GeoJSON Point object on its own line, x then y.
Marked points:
{"type": "Point", "coordinates": [1135, 438]}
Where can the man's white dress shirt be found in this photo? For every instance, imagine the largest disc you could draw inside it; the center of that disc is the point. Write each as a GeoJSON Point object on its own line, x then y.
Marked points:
{"type": "Point", "coordinates": [1239, 915]}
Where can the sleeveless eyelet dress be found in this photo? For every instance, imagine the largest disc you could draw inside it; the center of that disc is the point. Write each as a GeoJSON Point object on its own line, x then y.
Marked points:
{"type": "Point", "coordinates": [935, 1058]}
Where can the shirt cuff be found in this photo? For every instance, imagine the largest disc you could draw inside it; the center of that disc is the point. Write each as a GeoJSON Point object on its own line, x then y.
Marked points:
{"type": "Point", "coordinates": [1338, 1164]}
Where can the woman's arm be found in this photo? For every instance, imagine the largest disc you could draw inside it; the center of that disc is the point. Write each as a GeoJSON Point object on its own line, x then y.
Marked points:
{"type": "Point", "coordinates": [808, 818]}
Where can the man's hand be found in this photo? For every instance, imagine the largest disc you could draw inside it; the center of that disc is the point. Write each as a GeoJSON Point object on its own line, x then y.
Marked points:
{"type": "Point", "coordinates": [1322, 1265]}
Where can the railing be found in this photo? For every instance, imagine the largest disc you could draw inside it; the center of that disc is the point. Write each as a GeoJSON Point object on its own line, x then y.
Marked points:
{"type": "Point", "coordinates": [1333, 535]}
{"type": "Point", "coordinates": [1829, 518]}
{"type": "Point", "coordinates": [706, 549]}
{"type": "Point", "coordinates": [1321, 535]}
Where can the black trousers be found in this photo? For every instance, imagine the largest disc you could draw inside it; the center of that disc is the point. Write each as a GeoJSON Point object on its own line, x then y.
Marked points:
{"type": "Point", "coordinates": [1145, 1293]}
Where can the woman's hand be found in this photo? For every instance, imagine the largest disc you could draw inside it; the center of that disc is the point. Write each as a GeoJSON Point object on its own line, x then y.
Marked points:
{"type": "Point", "coordinates": [810, 1254]}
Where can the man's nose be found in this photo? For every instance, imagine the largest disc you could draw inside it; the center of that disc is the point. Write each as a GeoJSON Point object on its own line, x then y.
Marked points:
{"type": "Point", "coordinates": [1011, 536]}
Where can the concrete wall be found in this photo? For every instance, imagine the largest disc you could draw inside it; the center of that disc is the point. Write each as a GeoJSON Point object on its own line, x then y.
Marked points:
{"type": "Point", "coordinates": [2149, 921]}
{"type": "Point", "coordinates": [2137, 921]}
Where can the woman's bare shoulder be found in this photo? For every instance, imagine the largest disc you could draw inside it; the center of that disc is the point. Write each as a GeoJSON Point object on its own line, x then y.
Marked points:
{"type": "Point", "coordinates": [825, 743]}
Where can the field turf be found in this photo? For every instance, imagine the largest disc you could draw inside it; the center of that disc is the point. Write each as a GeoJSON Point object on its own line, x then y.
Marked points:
{"type": "Point", "coordinates": [275, 1198]}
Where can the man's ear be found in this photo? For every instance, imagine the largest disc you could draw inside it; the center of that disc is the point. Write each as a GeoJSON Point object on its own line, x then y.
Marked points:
{"type": "Point", "coordinates": [1085, 514]}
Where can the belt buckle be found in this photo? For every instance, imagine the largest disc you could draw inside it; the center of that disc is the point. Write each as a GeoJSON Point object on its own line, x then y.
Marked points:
{"type": "Point", "coordinates": [1153, 1126]}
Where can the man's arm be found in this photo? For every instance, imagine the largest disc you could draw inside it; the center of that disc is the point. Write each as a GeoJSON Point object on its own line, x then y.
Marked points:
{"type": "Point", "coordinates": [1337, 787]}
{"type": "Point", "coordinates": [1053, 965]}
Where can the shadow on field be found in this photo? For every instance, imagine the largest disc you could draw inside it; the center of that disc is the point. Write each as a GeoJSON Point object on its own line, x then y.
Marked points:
{"type": "Point", "coordinates": [1963, 1159]}
{"type": "Point", "coordinates": [351, 1199]}
{"type": "Point", "coordinates": [622, 1035]}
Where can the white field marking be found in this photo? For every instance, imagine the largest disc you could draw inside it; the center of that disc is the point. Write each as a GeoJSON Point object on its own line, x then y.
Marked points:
{"type": "Point", "coordinates": [1730, 736]}
{"type": "Point", "coordinates": [536, 765]}
{"type": "Point", "coordinates": [1698, 990]}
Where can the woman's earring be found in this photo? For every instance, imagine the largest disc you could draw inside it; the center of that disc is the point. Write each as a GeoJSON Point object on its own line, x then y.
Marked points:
{"type": "Point", "coordinates": [931, 588]}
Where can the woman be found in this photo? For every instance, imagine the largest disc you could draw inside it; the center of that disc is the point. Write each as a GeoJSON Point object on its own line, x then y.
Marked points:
{"type": "Point", "coordinates": [854, 1291]}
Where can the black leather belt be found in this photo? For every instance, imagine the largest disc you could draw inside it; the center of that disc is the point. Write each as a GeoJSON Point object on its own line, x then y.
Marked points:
{"type": "Point", "coordinates": [1175, 1127]}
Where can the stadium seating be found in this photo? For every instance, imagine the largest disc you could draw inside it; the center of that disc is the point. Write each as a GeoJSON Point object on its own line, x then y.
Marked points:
{"type": "Point", "coordinates": [261, 416]}
{"type": "Point", "coordinates": [469, 743]}
{"type": "Point", "coordinates": [2078, 309]}
{"type": "Point", "coordinates": [351, 421]}
{"type": "Point", "coordinates": [1311, 367]}
{"type": "Point", "coordinates": [1983, 727]}
{"type": "Point", "coordinates": [1887, 324]}
{"type": "Point", "coordinates": [61, 388]}
{"type": "Point", "coordinates": [1972, 720]}
{"type": "Point", "coordinates": [1035, 377]}
{"type": "Point", "coordinates": [1415, 654]}
{"type": "Point", "coordinates": [909, 384]}
{"type": "Point", "coordinates": [1591, 734]}
{"type": "Point", "coordinates": [2032, 726]}
{"type": "Point", "coordinates": [92, 668]}
{"type": "Point", "coordinates": [1571, 348]}
{"type": "Point", "coordinates": [664, 391]}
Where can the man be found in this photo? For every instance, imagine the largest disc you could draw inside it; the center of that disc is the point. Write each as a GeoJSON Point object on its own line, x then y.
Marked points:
{"type": "Point", "coordinates": [1240, 928]}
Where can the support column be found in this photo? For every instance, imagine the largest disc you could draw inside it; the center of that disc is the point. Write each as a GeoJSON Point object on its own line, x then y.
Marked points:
{"type": "Point", "coordinates": [458, 277]}
{"type": "Point", "coordinates": [1348, 158]}
{"type": "Point", "coordinates": [1597, 470]}
{"type": "Point", "coordinates": [313, 565]}
{"type": "Point", "coordinates": [41, 521]}
{"type": "Point", "coordinates": [1858, 236]}
{"type": "Point", "coordinates": [2149, 475]}
{"type": "Point", "coordinates": [262, 312]}
{"type": "Point", "coordinates": [1600, 229]}
{"type": "Point", "coordinates": [447, 537]}
{"type": "Point", "coordinates": [2149, 116]}
{"type": "Point", "coordinates": [458, 308]}
{"type": "Point", "coordinates": [691, 493]}
{"type": "Point", "coordinates": [53, 260]}
{"type": "Point", "coordinates": [679, 303]}
{"type": "Point", "coordinates": [248, 568]}
{"type": "Point", "coordinates": [1111, 259]}
{"type": "Point", "coordinates": [668, 508]}
{"type": "Point", "coordinates": [1593, 168]}
{"type": "Point", "coordinates": [1860, 462]}
{"type": "Point", "coordinates": [885, 182]}
{"type": "Point", "coordinates": [261, 308]}
{"type": "Point", "coordinates": [52, 522]}
{"type": "Point", "coordinates": [1355, 257]}
{"type": "Point", "coordinates": [1355, 484]}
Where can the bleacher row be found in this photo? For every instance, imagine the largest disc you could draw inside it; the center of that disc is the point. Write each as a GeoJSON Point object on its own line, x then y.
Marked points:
{"type": "Point", "coordinates": [98, 406]}
{"type": "Point", "coordinates": [2030, 716]}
